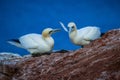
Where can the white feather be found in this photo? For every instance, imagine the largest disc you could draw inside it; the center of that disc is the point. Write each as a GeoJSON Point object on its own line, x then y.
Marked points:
{"type": "Point", "coordinates": [84, 35]}
{"type": "Point", "coordinates": [89, 32]}
{"type": "Point", "coordinates": [63, 26]}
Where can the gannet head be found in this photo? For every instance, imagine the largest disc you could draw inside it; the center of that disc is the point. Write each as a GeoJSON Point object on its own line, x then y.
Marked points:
{"type": "Point", "coordinates": [49, 31]}
{"type": "Point", "coordinates": [72, 27]}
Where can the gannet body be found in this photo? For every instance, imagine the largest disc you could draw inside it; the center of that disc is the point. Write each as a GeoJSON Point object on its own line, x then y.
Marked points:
{"type": "Point", "coordinates": [82, 36]}
{"type": "Point", "coordinates": [36, 43]}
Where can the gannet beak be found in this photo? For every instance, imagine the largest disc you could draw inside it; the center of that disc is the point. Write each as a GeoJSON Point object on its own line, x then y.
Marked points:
{"type": "Point", "coordinates": [55, 30]}
{"type": "Point", "coordinates": [70, 29]}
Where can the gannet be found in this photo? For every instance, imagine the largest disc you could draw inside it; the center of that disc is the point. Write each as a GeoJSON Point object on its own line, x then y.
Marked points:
{"type": "Point", "coordinates": [36, 43]}
{"type": "Point", "coordinates": [82, 36]}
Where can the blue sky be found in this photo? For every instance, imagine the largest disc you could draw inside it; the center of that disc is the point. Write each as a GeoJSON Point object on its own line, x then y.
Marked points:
{"type": "Point", "coordinates": [20, 17]}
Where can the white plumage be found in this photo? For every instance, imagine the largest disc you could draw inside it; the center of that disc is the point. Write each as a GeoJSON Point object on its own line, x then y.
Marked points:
{"type": "Point", "coordinates": [36, 43]}
{"type": "Point", "coordinates": [84, 35]}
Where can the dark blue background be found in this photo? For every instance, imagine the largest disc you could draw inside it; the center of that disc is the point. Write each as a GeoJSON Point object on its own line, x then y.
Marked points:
{"type": "Point", "coordinates": [19, 17]}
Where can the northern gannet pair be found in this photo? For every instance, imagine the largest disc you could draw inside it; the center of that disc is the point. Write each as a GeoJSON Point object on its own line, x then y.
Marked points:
{"type": "Point", "coordinates": [82, 36]}
{"type": "Point", "coordinates": [36, 43]}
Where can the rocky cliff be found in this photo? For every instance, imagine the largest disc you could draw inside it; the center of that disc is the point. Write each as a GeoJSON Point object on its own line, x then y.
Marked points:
{"type": "Point", "coordinates": [100, 60]}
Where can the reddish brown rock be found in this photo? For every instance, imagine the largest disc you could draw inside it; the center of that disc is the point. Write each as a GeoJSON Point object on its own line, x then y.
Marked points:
{"type": "Point", "coordinates": [100, 60]}
{"type": "Point", "coordinates": [8, 68]}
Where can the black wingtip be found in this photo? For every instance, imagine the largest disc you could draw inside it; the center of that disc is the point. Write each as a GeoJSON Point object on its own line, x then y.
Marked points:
{"type": "Point", "coordinates": [15, 40]}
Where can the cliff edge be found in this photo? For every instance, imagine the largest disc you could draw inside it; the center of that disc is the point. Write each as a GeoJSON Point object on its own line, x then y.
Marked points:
{"type": "Point", "coordinates": [100, 60]}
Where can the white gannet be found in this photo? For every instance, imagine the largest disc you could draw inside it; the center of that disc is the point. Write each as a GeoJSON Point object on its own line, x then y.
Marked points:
{"type": "Point", "coordinates": [36, 43]}
{"type": "Point", "coordinates": [82, 36]}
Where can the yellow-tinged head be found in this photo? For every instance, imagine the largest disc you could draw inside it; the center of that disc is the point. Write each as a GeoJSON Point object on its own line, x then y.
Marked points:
{"type": "Point", "coordinates": [72, 27]}
{"type": "Point", "coordinates": [48, 31]}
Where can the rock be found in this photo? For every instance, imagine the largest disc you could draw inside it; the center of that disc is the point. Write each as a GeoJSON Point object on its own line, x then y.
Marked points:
{"type": "Point", "coordinates": [100, 60]}
{"type": "Point", "coordinates": [7, 65]}
{"type": "Point", "coordinates": [9, 55]}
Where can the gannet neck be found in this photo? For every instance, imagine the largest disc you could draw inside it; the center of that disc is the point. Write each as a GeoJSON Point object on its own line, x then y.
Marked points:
{"type": "Point", "coordinates": [49, 41]}
{"type": "Point", "coordinates": [45, 35]}
{"type": "Point", "coordinates": [73, 34]}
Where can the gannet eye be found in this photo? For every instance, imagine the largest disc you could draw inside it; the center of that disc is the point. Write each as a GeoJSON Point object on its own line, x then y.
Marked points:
{"type": "Point", "coordinates": [72, 27]}
{"type": "Point", "coordinates": [50, 32]}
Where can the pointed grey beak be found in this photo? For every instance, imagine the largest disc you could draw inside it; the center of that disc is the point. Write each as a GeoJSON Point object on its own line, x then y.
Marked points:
{"type": "Point", "coordinates": [56, 30]}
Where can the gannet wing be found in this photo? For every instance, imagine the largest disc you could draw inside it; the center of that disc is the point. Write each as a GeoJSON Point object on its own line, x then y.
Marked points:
{"type": "Point", "coordinates": [82, 32]}
{"type": "Point", "coordinates": [28, 42]}
{"type": "Point", "coordinates": [94, 33]}
{"type": "Point", "coordinates": [63, 26]}
{"type": "Point", "coordinates": [91, 33]}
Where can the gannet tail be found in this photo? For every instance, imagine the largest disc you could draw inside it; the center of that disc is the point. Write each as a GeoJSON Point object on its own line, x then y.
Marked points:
{"type": "Point", "coordinates": [15, 42]}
